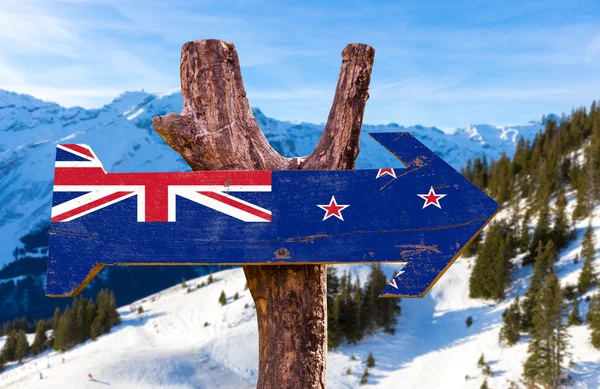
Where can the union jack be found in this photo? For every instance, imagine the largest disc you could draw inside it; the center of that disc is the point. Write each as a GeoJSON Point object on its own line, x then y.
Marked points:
{"type": "Point", "coordinates": [78, 169]}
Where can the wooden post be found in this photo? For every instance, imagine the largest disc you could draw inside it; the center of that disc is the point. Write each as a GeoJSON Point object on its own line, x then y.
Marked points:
{"type": "Point", "coordinates": [217, 131]}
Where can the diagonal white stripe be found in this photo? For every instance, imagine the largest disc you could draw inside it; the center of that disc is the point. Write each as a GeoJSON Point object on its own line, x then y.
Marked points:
{"type": "Point", "coordinates": [78, 202]}
{"type": "Point", "coordinates": [97, 194]}
{"type": "Point", "coordinates": [77, 153]}
{"type": "Point", "coordinates": [218, 206]}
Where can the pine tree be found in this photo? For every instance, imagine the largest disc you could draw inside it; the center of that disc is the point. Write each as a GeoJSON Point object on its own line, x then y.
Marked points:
{"type": "Point", "coordinates": [515, 218]}
{"type": "Point", "coordinates": [113, 313]}
{"type": "Point", "coordinates": [365, 376]}
{"type": "Point", "coordinates": [593, 319]}
{"type": "Point", "coordinates": [561, 233]}
{"type": "Point", "coordinates": [10, 346]}
{"type": "Point", "coordinates": [511, 329]}
{"type": "Point", "coordinates": [480, 280]}
{"type": "Point", "coordinates": [65, 334]}
{"type": "Point", "coordinates": [39, 343]}
{"type": "Point", "coordinates": [587, 185]}
{"type": "Point", "coordinates": [491, 272]}
{"type": "Point", "coordinates": [55, 319]}
{"type": "Point", "coordinates": [587, 277]}
{"type": "Point", "coordinates": [82, 330]}
{"type": "Point", "coordinates": [547, 348]}
{"type": "Point", "coordinates": [21, 323]}
{"type": "Point", "coordinates": [356, 332]}
{"type": "Point", "coordinates": [582, 207]}
{"type": "Point", "coordinates": [90, 316]}
{"type": "Point", "coordinates": [106, 314]}
{"type": "Point", "coordinates": [334, 335]}
{"type": "Point", "coordinates": [222, 298]}
{"type": "Point", "coordinates": [473, 248]}
{"type": "Point", "coordinates": [501, 267]}
{"type": "Point", "coordinates": [333, 284]}
{"type": "Point", "coordinates": [346, 309]}
{"type": "Point", "coordinates": [481, 361]}
{"type": "Point", "coordinates": [524, 239]}
{"type": "Point", "coordinates": [370, 361]}
{"type": "Point", "coordinates": [542, 232]}
{"type": "Point", "coordinates": [574, 318]}
{"type": "Point", "coordinates": [521, 155]}
{"type": "Point", "coordinates": [484, 385]}
{"type": "Point", "coordinates": [370, 307]}
{"type": "Point", "coordinates": [543, 266]}
{"type": "Point", "coordinates": [22, 346]}
{"type": "Point", "coordinates": [100, 323]}
{"type": "Point", "coordinates": [487, 370]}
{"type": "Point", "coordinates": [7, 328]}
{"type": "Point", "coordinates": [376, 312]}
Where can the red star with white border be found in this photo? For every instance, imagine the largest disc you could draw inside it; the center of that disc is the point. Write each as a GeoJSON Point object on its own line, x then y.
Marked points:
{"type": "Point", "coordinates": [431, 198]}
{"type": "Point", "coordinates": [386, 172]}
{"type": "Point", "coordinates": [333, 209]}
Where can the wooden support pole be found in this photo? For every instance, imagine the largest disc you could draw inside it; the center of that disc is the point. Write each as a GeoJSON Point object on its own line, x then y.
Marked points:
{"type": "Point", "coordinates": [217, 131]}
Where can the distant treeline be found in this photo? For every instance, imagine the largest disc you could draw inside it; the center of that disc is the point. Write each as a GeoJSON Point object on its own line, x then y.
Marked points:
{"type": "Point", "coordinates": [83, 320]}
{"type": "Point", "coordinates": [354, 311]}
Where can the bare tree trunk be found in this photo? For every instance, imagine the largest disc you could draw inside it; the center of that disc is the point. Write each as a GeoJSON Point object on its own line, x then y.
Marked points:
{"type": "Point", "coordinates": [217, 131]}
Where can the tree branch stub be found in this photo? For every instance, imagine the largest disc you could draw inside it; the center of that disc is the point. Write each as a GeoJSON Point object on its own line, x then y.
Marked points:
{"type": "Point", "coordinates": [216, 130]}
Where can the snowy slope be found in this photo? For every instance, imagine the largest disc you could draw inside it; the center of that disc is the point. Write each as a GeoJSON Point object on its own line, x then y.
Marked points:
{"type": "Point", "coordinates": [122, 136]}
{"type": "Point", "coordinates": [168, 346]}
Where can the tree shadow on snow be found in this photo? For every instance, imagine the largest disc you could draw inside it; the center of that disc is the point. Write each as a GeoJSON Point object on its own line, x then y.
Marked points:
{"type": "Point", "coordinates": [137, 320]}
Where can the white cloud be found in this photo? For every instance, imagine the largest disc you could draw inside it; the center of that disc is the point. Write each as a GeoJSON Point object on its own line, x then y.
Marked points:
{"type": "Point", "coordinates": [29, 27]}
{"type": "Point", "coordinates": [78, 52]}
{"type": "Point", "coordinates": [593, 49]}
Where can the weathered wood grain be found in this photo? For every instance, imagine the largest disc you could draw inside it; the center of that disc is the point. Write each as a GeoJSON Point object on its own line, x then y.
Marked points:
{"type": "Point", "coordinates": [217, 131]}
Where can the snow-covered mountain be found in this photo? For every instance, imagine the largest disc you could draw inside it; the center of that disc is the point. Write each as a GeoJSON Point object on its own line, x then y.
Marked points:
{"type": "Point", "coordinates": [170, 346]}
{"type": "Point", "coordinates": [122, 136]}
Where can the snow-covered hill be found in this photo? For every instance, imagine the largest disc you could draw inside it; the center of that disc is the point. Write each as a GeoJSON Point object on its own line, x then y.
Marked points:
{"type": "Point", "coordinates": [122, 136]}
{"type": "Point", "coordinates": [170, 346]}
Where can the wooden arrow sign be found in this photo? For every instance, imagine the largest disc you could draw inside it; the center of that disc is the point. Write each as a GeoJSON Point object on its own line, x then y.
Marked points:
{"type": "Point", "coordinates": [424, 215]}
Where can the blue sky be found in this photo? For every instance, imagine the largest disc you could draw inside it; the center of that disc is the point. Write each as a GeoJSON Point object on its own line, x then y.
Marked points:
{"type": "Point", "coordinates": [442, 63]}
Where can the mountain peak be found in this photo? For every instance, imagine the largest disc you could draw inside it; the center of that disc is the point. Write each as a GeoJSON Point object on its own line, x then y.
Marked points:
{"type": "Point", "coordinates": [16, 100]}
{"type": "Point", "coordinates": [550, 116]}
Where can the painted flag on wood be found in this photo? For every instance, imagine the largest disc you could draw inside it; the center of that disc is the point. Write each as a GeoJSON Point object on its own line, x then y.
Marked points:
{"type": "Point", "coordinates": [423, 215]}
